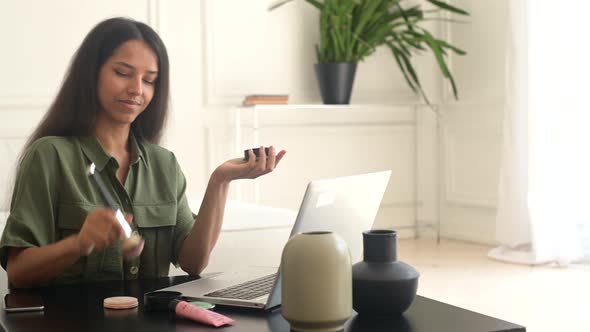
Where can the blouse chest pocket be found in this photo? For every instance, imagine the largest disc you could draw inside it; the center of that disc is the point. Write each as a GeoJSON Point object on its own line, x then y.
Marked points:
{"type": "Point", "coordinates": [71, 218]}
{"type": "Point", "coordinates": [103, 264]}
{"type": "Point", "coordinates": [156, 224]}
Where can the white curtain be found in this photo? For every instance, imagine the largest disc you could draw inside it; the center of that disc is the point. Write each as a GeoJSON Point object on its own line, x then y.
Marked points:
{"type": "Point", "coordinates": [544, 190]}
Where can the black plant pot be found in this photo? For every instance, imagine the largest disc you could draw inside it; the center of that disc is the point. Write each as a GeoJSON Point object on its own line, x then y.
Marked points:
{"type": "Point", "coordinates": [335, 80]}
{"type": "Point", "coordinates": [382, 285]}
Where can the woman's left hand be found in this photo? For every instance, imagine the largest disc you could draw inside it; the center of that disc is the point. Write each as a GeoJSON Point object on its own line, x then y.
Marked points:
{"type": "Point", "coordinates": [239, 168]}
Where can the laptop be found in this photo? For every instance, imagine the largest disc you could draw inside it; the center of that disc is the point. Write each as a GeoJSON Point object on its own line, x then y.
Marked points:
{"type": "Point", "coordinates": [345, 205]}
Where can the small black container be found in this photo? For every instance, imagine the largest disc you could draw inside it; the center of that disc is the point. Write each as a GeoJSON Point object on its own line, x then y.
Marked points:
{"type": "Point", "coordinates": [159, 300]}
{"type": "Point", "coordinates": [336, 80]}
{"type": "Point", "coordinates": [382, 285]}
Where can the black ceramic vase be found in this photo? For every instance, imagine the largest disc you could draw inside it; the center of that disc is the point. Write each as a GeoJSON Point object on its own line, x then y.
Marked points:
{"type": "Point", "coordinates": [382, 285]}
{"type": "Point", "coordinates": [336, 80]}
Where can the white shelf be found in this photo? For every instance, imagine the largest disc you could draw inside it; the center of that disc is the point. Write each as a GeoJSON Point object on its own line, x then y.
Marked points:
{"type": "Point", "coordinates": [323, 115]}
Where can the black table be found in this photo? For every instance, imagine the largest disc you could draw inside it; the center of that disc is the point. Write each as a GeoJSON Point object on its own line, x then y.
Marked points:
{"type": "Point", "coordinates": [79, 308]}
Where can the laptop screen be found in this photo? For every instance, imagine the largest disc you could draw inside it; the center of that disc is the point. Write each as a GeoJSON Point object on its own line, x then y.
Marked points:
{"type": "Point", "coordinates": [346, 206]}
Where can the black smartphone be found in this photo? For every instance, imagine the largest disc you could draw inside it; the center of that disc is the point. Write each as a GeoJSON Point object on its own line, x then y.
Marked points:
{"type": "Point", "coordinates": [17, 302]}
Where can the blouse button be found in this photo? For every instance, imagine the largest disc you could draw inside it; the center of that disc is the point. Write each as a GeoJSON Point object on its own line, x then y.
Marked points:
{"type": "Point", "coordinates": [133, 270]}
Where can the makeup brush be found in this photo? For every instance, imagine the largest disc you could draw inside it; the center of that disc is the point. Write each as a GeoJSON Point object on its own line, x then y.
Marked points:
{"type": "Point", "coordinates": [129, 240]}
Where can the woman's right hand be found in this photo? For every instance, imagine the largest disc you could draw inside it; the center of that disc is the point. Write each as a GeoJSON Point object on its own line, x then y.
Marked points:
{"type": "Point", "coordinates": [100, 230]}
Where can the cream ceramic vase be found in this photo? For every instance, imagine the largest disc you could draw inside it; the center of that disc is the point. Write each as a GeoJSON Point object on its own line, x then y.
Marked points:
{"type": "Point", "coordinates": [316, 276]}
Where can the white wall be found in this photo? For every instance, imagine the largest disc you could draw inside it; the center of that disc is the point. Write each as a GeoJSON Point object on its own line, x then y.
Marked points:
{"type": "Point", "coordinates": [472, 126]}
{"type": "Point", "coordinates": [221, 50]}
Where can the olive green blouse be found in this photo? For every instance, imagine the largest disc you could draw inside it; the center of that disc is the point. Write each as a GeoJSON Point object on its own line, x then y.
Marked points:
{"type": "Point", "coordinates": [54, 193]}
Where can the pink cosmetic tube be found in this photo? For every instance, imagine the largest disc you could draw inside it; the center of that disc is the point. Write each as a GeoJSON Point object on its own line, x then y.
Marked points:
{"type": "Point", "coordinates": [189, 311]}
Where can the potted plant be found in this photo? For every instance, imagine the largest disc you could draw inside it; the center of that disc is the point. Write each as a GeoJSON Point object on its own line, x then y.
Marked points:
{"type": "Point", "coordinates": [351, 30]}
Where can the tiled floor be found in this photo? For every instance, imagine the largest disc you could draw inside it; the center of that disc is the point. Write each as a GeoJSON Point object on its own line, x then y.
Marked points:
{"type": "Point", "coordinates": [541, 298]}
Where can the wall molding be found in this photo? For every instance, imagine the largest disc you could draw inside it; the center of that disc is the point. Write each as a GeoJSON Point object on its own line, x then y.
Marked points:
{"type": "Point", "coordinates": [452, 193]}
{"type": "Point", "coordinates": [155, 10]}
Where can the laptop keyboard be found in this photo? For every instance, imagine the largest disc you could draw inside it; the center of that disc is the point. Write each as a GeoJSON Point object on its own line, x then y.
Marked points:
{"type": "Point", "coordinates": [247, 290]}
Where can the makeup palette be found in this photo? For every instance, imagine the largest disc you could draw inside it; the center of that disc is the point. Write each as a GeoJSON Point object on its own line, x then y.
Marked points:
{"type": "Point", "coordinates": [120, 302]}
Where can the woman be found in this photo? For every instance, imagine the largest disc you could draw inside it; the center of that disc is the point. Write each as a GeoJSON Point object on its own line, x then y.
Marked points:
{"type": "Point", "coordinates": [111, 111]}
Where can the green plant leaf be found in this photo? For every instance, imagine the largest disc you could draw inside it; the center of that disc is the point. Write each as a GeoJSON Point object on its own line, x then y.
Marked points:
{"type": "Point", "coordinates": [412, 73]}
{"type": "Point", "coordinates": [405, 17]}
{"type": "Point", "coordinates": [364, 49]}
{"type": "Point", "coordinates": [446, 6]}
{"type": "Point", "coordinates": [415, 43]}
{"type": "Point", "coordinates": [401, 45]}
{"type": "Point", "coordinates": [397, 55]}
{"type": "Point", "coordinates": [365, 15]}
{"type": "Point", "coordinates": [410, 69]}
{"type": "Point", "coordinates": [437, 51]}
{"type": "Point", "coordinates": [278, 4]}
{"type": "Point", "coordinates": [451, 47]}
{"type": "Point", "coordinates": [324, 34]}
{"type": "Point", "coordinates": [413, 12]}
{"type": "Point", "coordinates": [317, 53]}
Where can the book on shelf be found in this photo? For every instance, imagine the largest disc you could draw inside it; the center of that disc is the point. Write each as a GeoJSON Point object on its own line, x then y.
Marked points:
{"type": "Point", "coordinates": [251, 100]}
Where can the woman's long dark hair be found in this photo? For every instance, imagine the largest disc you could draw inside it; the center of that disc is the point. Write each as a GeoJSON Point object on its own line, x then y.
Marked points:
{"type": "Point", "coordinates": [76, 107]}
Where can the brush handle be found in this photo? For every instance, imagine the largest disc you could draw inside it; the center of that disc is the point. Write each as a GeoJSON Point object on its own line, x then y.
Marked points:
{"type": "Point", "coordinates": [104, 191]}
{"type": "Point", "coordinates": [111, 202]}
